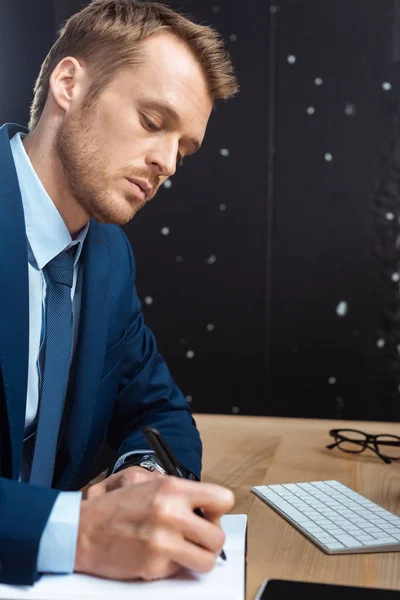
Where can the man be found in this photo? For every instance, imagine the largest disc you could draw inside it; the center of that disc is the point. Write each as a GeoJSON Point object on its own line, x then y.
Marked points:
{"type": "Point", "coordinates": [125, 93]}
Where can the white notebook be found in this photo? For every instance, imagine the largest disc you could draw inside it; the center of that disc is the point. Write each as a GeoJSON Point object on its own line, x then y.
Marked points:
{"type": "Point", "coordinates": [225, 582]}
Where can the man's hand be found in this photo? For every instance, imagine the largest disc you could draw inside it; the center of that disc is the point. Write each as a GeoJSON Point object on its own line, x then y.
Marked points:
{"type": "Point", "coordinates": [128, 476]}
{"type": "Point", "coordinates": [149, 530]}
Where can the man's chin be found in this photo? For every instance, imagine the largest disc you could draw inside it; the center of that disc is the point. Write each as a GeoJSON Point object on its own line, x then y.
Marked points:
{"type": "Point", "coordinates": [120, 215]}
{"type": "Point", "coordinates": [107, 219]}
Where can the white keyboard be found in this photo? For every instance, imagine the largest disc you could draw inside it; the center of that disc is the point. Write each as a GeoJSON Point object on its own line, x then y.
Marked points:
{"type": "Point", "coordinates": [334, 517]}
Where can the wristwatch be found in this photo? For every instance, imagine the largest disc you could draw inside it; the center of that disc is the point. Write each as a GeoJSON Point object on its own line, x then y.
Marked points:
{"type": "Point", "coordinates": [146, 461]}
{"type": "Point", "coordinates": [150, 463]}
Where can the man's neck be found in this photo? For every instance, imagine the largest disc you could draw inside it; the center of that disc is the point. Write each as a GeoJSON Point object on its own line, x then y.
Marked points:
{"type": "Point", "coordinates": [50, 172]}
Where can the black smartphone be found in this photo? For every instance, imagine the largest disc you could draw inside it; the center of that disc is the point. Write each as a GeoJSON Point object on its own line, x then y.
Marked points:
{"type": "Point", "coordinates": [279, 589]}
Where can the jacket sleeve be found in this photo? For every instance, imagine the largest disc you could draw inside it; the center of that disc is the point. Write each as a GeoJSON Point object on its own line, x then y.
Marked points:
{"type": "Point", "coordinates": [148, 396]}
{"type": "Point", "coordinates": [24, 511]}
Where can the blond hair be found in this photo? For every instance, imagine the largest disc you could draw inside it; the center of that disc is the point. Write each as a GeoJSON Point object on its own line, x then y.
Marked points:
{"type": "Point", "coordinates": [106, 35]}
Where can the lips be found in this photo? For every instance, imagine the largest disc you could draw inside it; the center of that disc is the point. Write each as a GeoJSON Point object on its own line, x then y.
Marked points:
{"type": "Point", "coordinates": [143, 186]}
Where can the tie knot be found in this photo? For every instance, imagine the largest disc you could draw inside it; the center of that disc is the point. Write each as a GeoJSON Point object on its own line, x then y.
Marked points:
{"type": "Point", "coordinates": [61, 268]}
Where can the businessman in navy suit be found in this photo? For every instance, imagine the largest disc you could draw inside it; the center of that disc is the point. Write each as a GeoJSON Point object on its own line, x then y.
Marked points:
{"type": "Point", "coordinates": [125, 93]}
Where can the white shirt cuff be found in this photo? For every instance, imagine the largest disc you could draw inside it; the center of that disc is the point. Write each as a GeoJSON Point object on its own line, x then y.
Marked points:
{"type": "Point", "coordinates": [57, 546]}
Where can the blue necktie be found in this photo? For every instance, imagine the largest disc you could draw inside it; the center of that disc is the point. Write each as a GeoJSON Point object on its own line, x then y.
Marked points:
{"type": "Point", "coordinates": [57, 362]}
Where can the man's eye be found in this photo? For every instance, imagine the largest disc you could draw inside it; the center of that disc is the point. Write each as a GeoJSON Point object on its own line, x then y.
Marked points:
{"type": "Point", "coordinates": [150, 124]}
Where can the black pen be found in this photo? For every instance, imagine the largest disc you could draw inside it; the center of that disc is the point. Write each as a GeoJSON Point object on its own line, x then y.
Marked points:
{"type": "Point", "coordinates": [167, 460]}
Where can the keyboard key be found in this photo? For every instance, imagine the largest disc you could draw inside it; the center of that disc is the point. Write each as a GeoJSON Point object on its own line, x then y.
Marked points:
{"type": "Point", "coordinates": [315, 530]}
{"type": "Point", "coordinates": [326, 538]}
{"type": "Point", "coordinates": [334, 545]}
{"type": "Point", "coordinates": [382, 541]}
{"type": "Point", "coordinates": [347, 540]}
{"type": "Point", "coordinates": [285, 506]}
{"type": "Point", "coordinates": [364, 538]}
{"type": "Point", "coordinates": [335, 530]}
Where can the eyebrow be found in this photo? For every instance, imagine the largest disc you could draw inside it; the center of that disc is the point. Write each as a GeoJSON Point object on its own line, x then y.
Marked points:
{"type": "Point", "coordinates": [170, 112]}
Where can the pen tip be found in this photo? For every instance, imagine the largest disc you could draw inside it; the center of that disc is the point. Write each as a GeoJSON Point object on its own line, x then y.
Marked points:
{"type": "Point", "coordinates": [223, 555]}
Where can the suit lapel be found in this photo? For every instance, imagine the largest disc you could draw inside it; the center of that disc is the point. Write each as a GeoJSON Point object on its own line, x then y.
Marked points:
{"type": "Point", "coordinates": [14, 300]}
{"type": "Point", "coordinates": [89, 355]}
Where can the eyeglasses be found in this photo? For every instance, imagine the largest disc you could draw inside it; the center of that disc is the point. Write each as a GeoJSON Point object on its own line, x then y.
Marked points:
{"type": "Point", "coordinates": [354, 441]}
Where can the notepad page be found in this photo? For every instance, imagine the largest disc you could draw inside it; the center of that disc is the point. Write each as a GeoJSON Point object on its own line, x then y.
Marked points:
{"type": "Point", "coordinates": [225, 582]}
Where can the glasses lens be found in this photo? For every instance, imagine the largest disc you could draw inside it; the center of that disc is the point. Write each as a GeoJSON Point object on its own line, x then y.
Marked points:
{"type": "Point", "coordinates": [354, 440]}
{"type": "Point", "coordinates": [385, 447]}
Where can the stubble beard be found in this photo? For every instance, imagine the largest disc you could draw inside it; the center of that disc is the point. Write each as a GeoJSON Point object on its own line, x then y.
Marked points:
{"type": "Point", "coordinates": [78, 147]}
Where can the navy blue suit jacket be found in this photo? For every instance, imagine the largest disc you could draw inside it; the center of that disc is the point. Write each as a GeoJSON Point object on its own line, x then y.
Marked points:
{"type": "Point", "coordinates": [118, 382]}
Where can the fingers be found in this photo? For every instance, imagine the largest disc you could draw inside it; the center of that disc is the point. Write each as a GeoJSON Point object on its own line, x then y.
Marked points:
{"type": "Point", "coordinates": [206, 534]}
{"type": "Point", "coordinates": [193, 557]}
{"type": "Point", "coordinates": [166, 548]}
{"type": "Point", "coordinates": [212, 498]}
{"type": "Point", "coordinates": [194, 529]}
{"type": "Point", "coordinates": [171, 509]}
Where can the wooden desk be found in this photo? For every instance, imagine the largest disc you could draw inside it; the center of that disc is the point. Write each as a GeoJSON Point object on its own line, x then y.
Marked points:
{"type": "Point", "coordinates": [240, 452]}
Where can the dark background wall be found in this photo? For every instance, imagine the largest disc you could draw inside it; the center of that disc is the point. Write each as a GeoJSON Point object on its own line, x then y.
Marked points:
{"type": "Point", "coordinates": [268, 268]}
{"type": "Point", "coordinates": [336, 111]}
{"type": "Point", "coordinates": [26, 34]}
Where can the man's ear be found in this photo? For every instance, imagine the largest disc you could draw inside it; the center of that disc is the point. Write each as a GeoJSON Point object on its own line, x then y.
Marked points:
{"type": "Point", "coordinates": [67, 82]}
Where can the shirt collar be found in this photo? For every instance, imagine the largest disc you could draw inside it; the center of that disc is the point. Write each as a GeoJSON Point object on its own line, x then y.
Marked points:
{"type": "Point", "coordinates": [46, 231]}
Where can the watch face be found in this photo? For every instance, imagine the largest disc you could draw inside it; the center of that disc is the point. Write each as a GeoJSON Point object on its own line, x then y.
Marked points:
{"type": "Point", "coordinates": [152, 465]}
